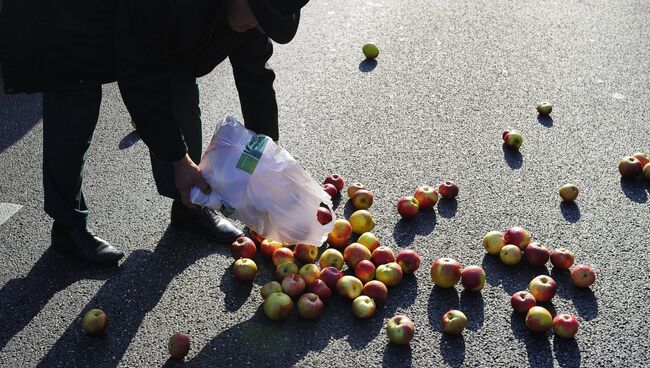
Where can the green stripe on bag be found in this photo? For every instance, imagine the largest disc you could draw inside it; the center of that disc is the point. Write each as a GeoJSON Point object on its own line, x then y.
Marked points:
{"type": "Point", "coordinates": [252, 153]}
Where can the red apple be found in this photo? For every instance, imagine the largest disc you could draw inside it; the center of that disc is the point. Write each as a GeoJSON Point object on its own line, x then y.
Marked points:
{"type": "Point", "coordinates": [331, 257]}
{"type": "Point", "coordinates": [473, 278]}
{"type": "Point", "coordinates": [522, 301]}
{"type": "Point", "coordinates": [646, 171]}
{"type": "Point", "coordinates": [382, 255]}
{"type": "Point", "coordinates": [324, 215]}
{"type": "Point", "coordinates": [536, 254]}
{"type": "Point", "coordinates": [513, 138]}
{"type": "Point", "coordinates": [306, 253]}
{"type": "Point", "coordinates": [310, 306]}
{"type": "Point", "coordinates": [565, 325]}
{"type": "Point", "coordinates": [331, 276]}
{"type": "Point", "coordinates": [349, 287]}
{"type": "Point", "coordinates": [354, 187]}
{"type": "Point", "coordinates": [293, 285]}
{"type": "Point", "coordinates": [642, 157]}
{"type": "Point", "coordinates": [310, 273]}
{"type": "Point", "coordinates": [408, 207]}
{"type": "Point", "coordinates": [245, 269]}
{"type": "Point", "coordinates": [336, 180]}
{"type": "Point", "coordinates": [539, 319]}
{"type": "Point", "coordinates": [365, 271]}
{"type": "Point", "coordinates": [363, 307]}
{"type": "Point", "coordinates": [278, 306]}
{"type": "Point", "coordinates": [376, 290]}
{"type": "Point", "coordinates": [286, 268]}
{"type": "Point", "coordinates": [493, 242]}
{"type": "Point", "coordinates": [562, 258]}
{"type": "Point", "coordinates": [243, 247]}
{"type": "Point", "coordinates": [355, 253]}
{"type": "Point", "coordinates": [448, 189]}
{"type": "Point", "coordinates": [390, 274]}
{"type": "Point", "coordinates": [268, 247]}
{"type": "Point", "coordinates": [340, 233]}
{"type": "Point", "coordinates": [257, 238]}
{"type": "Point", "coordinates": [583, 275]}
{"type": "Point", "coordinates": [282, 255]}
{"type": "Point", "coordinates": [629, 167]}
{"type": "Point", "coordinates": [330, 189]}
{"type": "Point", "coordinates": [543, 288]}
{"type": "Point", "coordinates": [454, 322]}
{"type": "Point", "coordinates": [319, 288]}
{"type": "Point", "coordinates": [400, 329]}
{"type": "Point", "coordinates": [270, 288]}
{"type": "Point", "coordinates": [426, 197]}
{"type": "Point", "coordinates": [445, 272]}
{"type": "Point", "coordinates": [517, 236]}
{"type": "Point", "coordinates": [362, 199]}
{"type": "Point", "coordinates": [408, 260]}
{"type": "Point", "coordinates": [94, 321]}
{"type": "Point", "coordinates": [510, 254]}
{"type": "Point", "coordinates": [178, 345]}
{"type": "Point", "coordinates": [369, 240]}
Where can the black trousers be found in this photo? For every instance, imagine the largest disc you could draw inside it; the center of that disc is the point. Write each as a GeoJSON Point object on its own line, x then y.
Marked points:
{"type": "Point", "coordinates": [69, 120]}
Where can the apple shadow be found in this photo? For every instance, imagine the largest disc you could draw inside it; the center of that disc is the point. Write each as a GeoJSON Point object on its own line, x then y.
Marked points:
{"type": "Point", "coordinates": [584, 300]}
{"type": "Point", "coordinates": [397, 356]}
{"type": "Point", "coordinates": [447, 207]}
{"type": "Point", "coordinates": [20, 114]}
{"type": "Point", "coordinates": [636, 189]}
{"type": "Point", "coordinates": [511, 278]}
{"type": "Point", "coordinates": [570, 211]}
{"type": "Point", "coordinates": [367, 65]}
{"type": "Point", "coordinates": [471, 303]}
{"type": "Point", "coordinates": [538, 348]}
{"type": "Point", "coordinates": [405, 229]}
{"type": "Point", "coordinates": [513, 157]}
{"type": "Point", "coordinates": [567, 352]}
{"type": "Point", "coordinates": [336, 201]}
{"type": "Point", "coordinates": [452, 349]}
{"type": "Point", "coordinates": [441, 300]}
{"type": "Point", "coordinates": [24, 298]}
{"type": "Point", "coordinates": [348, 209]}
{"type": "Point", "coordinates": [545, 120]}
{"type": "Point", "coordinates": [129, 140]}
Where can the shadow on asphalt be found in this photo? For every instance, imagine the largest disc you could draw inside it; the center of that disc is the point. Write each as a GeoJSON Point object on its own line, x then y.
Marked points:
{"type": "Point", "coordinates": [24, 298]}
{"type": "Point", "coordinates": [538, 347]}
{"type": "Point", "coordinates": [367, 65]}
{"type": "Point", "coordinates": [447, 207]}
{"type": "Point", "coordinates": [636, 189]}
{"type": "Point", "coordinates": [397, 356]}
{"type": "Point", "coordinates": [130, 294]}
{"type": "Point", "coordinates": [545, 120]}
{"type": "Point", "coordinates": [584, 300]}
{"type": "Point", "coordinates": [513, 157]}
{"type": "Point", "coordinates": [20, 113]}
{"type": "Point", "coordinates": [405, 229]}
{"type": "Point", "coordinates": [570, 211]}
{"type": "Point", "coordinates": [440, 301]}
{"type": "Point", "coordinates": [510, 278]}
{"type": "Point", "coordinates": [567, 352]}
{"type": "Point", "coordinates": [129, 140]}
{"type": "Point", "coordinates": [452, 348]}
{"type": "Point", "coordinates": [471, 303]}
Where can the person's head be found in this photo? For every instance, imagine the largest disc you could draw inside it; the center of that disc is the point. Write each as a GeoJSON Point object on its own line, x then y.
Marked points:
{"type": "Point", "coordinates": [277, 18]}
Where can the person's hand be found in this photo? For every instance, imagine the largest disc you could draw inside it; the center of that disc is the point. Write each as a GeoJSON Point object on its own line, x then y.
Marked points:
{"type": "Point", "coordinates": [188, 175]}
{"type": "Point", "coordinates": [240, 16]}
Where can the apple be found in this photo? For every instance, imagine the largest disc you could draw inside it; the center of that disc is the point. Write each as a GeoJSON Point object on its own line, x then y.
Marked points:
{"type": "Point", "coordinates": [543, 288]}
{"type": "Point", "coordinates": [448, 189]}
{"type": "Point", "coordinates": [493, 242]}
{"type": "Point", "coordinates": [562, 258]}
{"type": "Point", "coordinates": [454, 322]}
{"type": "Point", "coordinates": [583, 275]}
{"type": "Point", "coordinates": [94, 322]}
{"type": "Point", "coordinates": [268, 247]}
{"type": "Point", "coordinates": [362, 199]}
{"type": "Point", "coordinates": [642, 157]}
{"type": "Point", "coordinates": [330, 189]}
{"type": "Point", "coordinates": [310, 273]}
{"type": "Point", "coordinates": [646, 171]}
{"type": "Point", "coordinates": [510, 254]}
{"type": "Point", "coordinates": [363, 307]}
{"type": "Point", "coordinates": [473, 278]}
{"type": "Point", "coordinates": [340, 233]}
{"type": "Point", "coordinates": [513, 138]}
{"type": "Point", "coordinates": [243, 247]}
{"type": "Point", "coordinates": [629, 167]}
{"type": "Point", "coordinates": [355, 253]}
{"type": "Point", "coordinates": [270, 288]}
{"type": "Point", "coordinates": [376, 290]}
{"type": "Point", "coordinates": [370, 50]}
{"type": "Point", "coordinates": [319, 288]}
{"type": "Point", "coordinates": [382, 255]}
{"type": "Point", "coordinates": [362, 221]}
{"type": "Point", "coordinates": [408, 260]}
{"type": "Point", "coordinates": [178, 345]}
{"type": "Point", "coordinates": [536, 254]}
{"type": "Point", "coordinates": [426, 197]}
{"type": "Point", "coordinates": [293, 285]}
{"type": "Point", "coordinates": [310, 306]}
{"type": "Point", "coordinates": [286, 268]}
{"type": "Point", "coordinates": [408, 207]}
{"type": "Point", "coordinates": [324, 215]}
{"type": "Point", "coordinates": [331, 257]}
{"type": "Point", "coordinates": [349, 287]}
{"type": "Point", "coordinates": [365, 271]}
{"type": "Point", "coordinates": [306, 253]}
{"type": "Point", "coordinates": [336, 180]}
{"type": "Point", "coordinates": [544, 108]}
{"type": "Point", "coordinates": [245, 269]}
{"type": "Point", "coordinates": [369, 240]}
{"type": "Point", "coordinates": [522, 301]}
{"type": "Point", "coordinates": [390, 274]}
{"type": "Point", "coordinates": [354, 187]}
{"type": "Point", "coordinates": [282, 255]}
{"type": "Point", "coordinates": [569, 192]}
{"type": "Point", "coordinates": [257, 237]}
{"type": "Point", "coordinates": [400, 329]}
{"type": "Point", "coordinates": [565, 325]}
{"type": "Point", "coordinates": [539, 319]}
{"type": "Point", "coordinates": [331, 276]}
{"type": "Point", "coordinates": [278, 306]}
{"type": "Point", "coordinates": [518, 236]}
{"type": "Point", "coordinates": [445, 272]}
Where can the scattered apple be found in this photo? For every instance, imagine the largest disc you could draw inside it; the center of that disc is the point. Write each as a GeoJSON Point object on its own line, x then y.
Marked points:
{"type": "Point", "coordinates": [400, 329]}
{"type": "Point", "coordinates": [286, 268]}
{"type": "Point", "coordinates": [94, 321]}
{"type": "Point", "coordinates": [448, 189]}
{"type": "Point", "coordinates": [330, 189]}
{"type": "Point", "coordinates": [539, 319]}
{"type": "Point", "coordinates": [543, 288]}
{"type": "Point", "coordinates": [363, 307]}
{"type": "Point", "coordinates": [562, 258]}
{"type": "Point", "coordinates": [382, 255]}
{"type": "Point", "coordinates": [513, 138]}
{"type": "Point", "coordinates": [583, 275]}
{"type": "Point", "coordinates": [365, 271]}
{"type": "Point", "coordinates": [340, 233]}
{"type": "Point", "coordinates": [310, 273]}
{"type": "Point", "coordinates": [362, 199]}
{"type": "Point", "coordinates": [629, 167]}
{"type": "Point", "coordinates": [569, 192]}
{"type": "Point", "coordinates": [375, 289]}
{"type": "Point", "coordinates": [178, 345]}
{"type": "Point", "coordinates": [352, 188]}
{"type": "Point", "coordinates": [331, 257]}
{"type": "Point", "coordinates": [331, 276]}
{"type": "Point", "coordinates": [336, 180]}
{"type": "Point", "coordinates": [473, 278]}
{"type": "Point", "coordinates": [642, 157]}
{"type": "Point", "coordinates": [493, 242]}
{"type": "Point", "coordinates": [454, 322]}
{"type": "Point", "coordinates": [544, 108]}
{"type": "Point", "coordinates": [245, 269]}
{"type": "Point", "coordinates": [426, 196]}
{"type": "Point", "coordinates": [293, 285]}
{"type": "Point", "coordinates": [306, 253]}
{"type": "Point", "coordinates": [522, 301]}
{"type": "Point", "coordinates": [408, 260]}
{"type": "Point", "coordinates": [362, 221]}
{"type": "Point", "coordinates": [243, 247]}
{"type": "Point", "coordinates": [565, 325]}
{"type": "Point", "coordinates": [510, 254]}
{"type": "Point", "coordinates": [324, 215]}
{"type": "Point", "coordinates": [518, 236]}
{"type": "Point", "coordinates": [278, 306]}
{"type": "Point", "coordinates": [270, 288]}
{"type": "Point", "coordinates": [268, 247]}
{"type": "Point", "coordinates": [349, 287]}
{"type": "Point", "coordinates": [282, 255]}
{"type": "Point", "coordinates": [369, 240]}
{"type": "Point", "coordinates": [408, 207]}
{"type": "Point", "coordinates": [310, 306]}
{"type": "Point", "coordinates": [370, 50]}
{"type": "Point", "coordinates": [355, 253]}
{"type": "Point", "coordinates": [646, 171]}
{"type": "Point", "coordinates": [445, 272]}
{"type": "Point", "coordinates": [390, 274]}
{"type": "Point", "coordinates": [321, 289]}
{"type": "Point", "coordinates": [536, 254]}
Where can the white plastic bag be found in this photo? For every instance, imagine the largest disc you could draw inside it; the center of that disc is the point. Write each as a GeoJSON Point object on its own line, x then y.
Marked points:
{"type": "Point", "coordinates": [260, 184]}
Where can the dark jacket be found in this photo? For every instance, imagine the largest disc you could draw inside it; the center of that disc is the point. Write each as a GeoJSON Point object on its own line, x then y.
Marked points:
{"type": "Point", "coordinates": [137, 43]}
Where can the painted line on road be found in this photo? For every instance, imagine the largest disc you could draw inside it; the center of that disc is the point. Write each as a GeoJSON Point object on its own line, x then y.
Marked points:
{"type": "Point", "coordinates": [7, 210]}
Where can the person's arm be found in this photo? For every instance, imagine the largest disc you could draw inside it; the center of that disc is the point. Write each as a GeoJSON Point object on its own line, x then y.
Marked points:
{"type": "Point", "coordinates": [254, 80]}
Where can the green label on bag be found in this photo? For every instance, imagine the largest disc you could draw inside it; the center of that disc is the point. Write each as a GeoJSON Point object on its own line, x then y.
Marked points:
{"type": "Point", "coordinates": [252, 153]}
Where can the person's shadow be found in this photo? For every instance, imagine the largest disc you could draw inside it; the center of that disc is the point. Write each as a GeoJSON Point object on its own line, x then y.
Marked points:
{"type": "Point", "coordinates": [20, 113]}
{"type": "Point", "coordinates": [538, 347]}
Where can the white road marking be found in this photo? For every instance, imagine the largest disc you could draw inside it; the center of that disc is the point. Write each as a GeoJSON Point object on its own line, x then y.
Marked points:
{"type": "Point", "coordinates": [7, 210]}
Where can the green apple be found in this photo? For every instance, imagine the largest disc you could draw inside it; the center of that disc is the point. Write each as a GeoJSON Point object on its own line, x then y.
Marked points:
{"type": "Point", "coordinates": [370, 50]}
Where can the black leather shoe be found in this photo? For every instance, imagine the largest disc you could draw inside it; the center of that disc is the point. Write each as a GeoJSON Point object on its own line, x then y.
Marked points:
{"type": "Point", "coordinates": [205, 222]}
{"type": "Point", "coordinates": [83, 245]}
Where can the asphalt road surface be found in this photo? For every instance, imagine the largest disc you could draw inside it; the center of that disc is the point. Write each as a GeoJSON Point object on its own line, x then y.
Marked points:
{"type": "Point", "coordinates": [452, 75]}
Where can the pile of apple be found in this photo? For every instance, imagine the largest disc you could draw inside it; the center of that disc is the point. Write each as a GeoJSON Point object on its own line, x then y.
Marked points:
{"type": "Point", "coordinates": [631, 166]}
{"type": "Point", "coordinates": [425, 198]}
{"type": "Point", "coordinates": [509, 247]}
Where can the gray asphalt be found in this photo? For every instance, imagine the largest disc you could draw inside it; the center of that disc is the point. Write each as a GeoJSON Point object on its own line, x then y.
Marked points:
{"type": "Point", "coordinates": [450, 78]}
